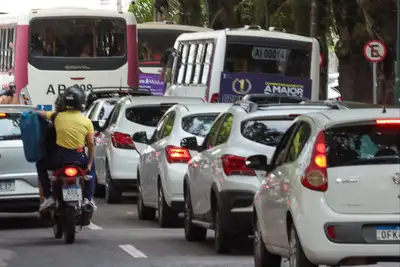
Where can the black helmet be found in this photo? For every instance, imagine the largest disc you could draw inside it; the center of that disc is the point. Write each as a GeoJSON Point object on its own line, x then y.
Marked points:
{"type": "Point", "coordinates": [74, 98]}
{"type": "Point", "coordinates": [59, 104]}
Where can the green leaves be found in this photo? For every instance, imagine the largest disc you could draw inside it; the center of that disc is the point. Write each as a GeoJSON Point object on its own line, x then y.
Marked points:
{"type": "Point", "coordinates": [143, 10]}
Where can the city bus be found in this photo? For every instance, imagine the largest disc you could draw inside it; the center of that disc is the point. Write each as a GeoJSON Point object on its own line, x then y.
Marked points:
{"type": "Point", "coordinates": [46, 50]}
{"type": "Point", "coordinates": [154, 39]}
{"type": "Point", "coordinates": [225, 65]}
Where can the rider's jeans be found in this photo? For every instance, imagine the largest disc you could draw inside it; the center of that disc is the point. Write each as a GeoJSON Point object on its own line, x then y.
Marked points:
{"type": "Point", "coordinates": [61, 156]}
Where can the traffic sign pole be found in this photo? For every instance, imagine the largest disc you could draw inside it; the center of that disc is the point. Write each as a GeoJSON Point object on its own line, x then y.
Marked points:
{"type": "Point", "coordinates": [397, 62]}
{"type": "Point", "coordinates": [374, 83]}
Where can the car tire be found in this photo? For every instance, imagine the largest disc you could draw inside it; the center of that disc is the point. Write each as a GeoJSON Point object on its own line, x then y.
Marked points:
{"type": "Point", "coordinates": [113, 194]}
{"type": "Point", "coordinates": [144, 213]}
{"type": "Point", "coordinates": [166, 216]}
{"type": "Point", "coordinates": [297, 258]}
{"type": "Point", "coordinates": [221, 238]}
{"type": "Point", "coordinates": [99, 190]}
{"type": "Point", "coordinates": [192, 232]}
{"type": "Point", "coordinates": [262, 257]}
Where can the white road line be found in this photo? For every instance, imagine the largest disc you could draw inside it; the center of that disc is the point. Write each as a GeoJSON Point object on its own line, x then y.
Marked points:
{"type": "Point", "coordinates": [131, 250]}
{"type": "Point", "coordinates": [92, 226]}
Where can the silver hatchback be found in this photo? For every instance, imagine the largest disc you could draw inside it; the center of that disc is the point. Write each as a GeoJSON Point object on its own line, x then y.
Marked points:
{"type": "Point", "coordinates": [19, 186]}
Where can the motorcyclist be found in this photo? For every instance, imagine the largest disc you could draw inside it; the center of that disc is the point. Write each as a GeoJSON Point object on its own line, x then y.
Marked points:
{"type": "Point", "coordinates": [7, 93]}
{"type": "Point", "coordinates": [73, 130]}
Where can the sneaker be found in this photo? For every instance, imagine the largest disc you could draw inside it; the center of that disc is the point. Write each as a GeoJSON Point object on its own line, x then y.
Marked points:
{"type": "Point", "coordinates": [90, 202]}
{"type": "Point", "coordinates": [47, 203]}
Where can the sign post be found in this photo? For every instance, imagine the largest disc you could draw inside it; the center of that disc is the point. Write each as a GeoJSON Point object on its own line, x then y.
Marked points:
{"type": "Point", "coordinates": [374, 51]}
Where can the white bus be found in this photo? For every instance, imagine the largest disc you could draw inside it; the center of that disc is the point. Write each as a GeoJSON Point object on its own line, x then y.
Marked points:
{"type": "Point", "coordinates": [225, 65]}
{"type": "Point", "coordinates": [46, 50]}
{"type": "Point", "coordinates": [154, 39]}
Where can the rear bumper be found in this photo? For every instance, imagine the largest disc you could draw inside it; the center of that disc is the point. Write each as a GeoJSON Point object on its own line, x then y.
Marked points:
{"type": "Point", "coordinates": [173, 185]}
{"type": "Point", "coordinates": [20, 203]}
{"type": "Point", "coordinates": [126, 184]}
{"type": "Point", "coordinates": [123, 163]}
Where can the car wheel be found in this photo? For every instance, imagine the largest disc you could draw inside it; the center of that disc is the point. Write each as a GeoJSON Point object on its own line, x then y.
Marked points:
{"type": "Point", "coordinates": [113, 195]}
{"type": "Point", "coordinates": [262, 257]}
{"type": "Point", "coordinates": [99, 190]}
{"type": "Point", "coordinates": [221, 238]}
{"type": "Point", "coordinates": [192, 232]}
{"type": "Point", "coordinates": [144, 213]}
{"type": "Point", "coordinates": [297, 258]}
{"type": "Point", "coordinates": [166, 216]}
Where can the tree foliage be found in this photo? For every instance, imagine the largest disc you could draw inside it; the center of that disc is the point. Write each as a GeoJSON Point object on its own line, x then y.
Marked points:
{"type": "Point", "coordinates": [143, 10]}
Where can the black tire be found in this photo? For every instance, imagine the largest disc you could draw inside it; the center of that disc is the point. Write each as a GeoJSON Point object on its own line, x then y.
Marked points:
{"type": "Point", "coordinates": [297, 258]}
{"type": "Point", "coordinates": [69, 225]}
{"type": "Point", "coordinates": [166, 216]}
{"type": "Point", "coordinates": [221, 238]}
{"type": "Point", "coordinates": [99, 189]}
{"type": "Point", "coordinates": [57, 229]}
{"type": "Point", "coordinates": [144, 213]}
{"type": "Point", "coordinates": [262, 257]}
{"type": "Point", "coordinates": [113, 194]}
{"type": "Point", "coordinates": [192, 232]}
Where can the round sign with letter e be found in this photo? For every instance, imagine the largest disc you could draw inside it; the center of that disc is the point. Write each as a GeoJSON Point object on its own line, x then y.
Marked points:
{"type": "Point", "coordinates": [375, 51]}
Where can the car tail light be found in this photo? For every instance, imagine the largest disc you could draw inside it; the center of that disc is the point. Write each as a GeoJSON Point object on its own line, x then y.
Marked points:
{"type": "Point", "coordinates": [122, 140]}
{"type": "Point", "coordinates": [71, 172]}
{"type": "Point", "coordinates": [177, 154]}
{"type": "Point", "coordinates": [330, 230]}
{"type": "Point", "coordinates": [214, 98]}
{"type": "Point", "coordinates": [339, 98]}
{"type": "Point", "coordinates": [3, 115]}
{"type": "Point", "coordinates": [388, 121]}
{"type": "Point", "coordinates": [234, 165]}
{"type": "Point", "coordinates": [316, 176]}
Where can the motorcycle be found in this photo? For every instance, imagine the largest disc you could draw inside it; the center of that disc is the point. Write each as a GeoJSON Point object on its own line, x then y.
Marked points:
{"type": "Point", "coordinates": [69, 210]}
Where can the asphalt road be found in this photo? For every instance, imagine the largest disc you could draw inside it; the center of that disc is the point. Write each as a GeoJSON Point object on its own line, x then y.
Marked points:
{"type": "Point", "coordinates": [116, 238]}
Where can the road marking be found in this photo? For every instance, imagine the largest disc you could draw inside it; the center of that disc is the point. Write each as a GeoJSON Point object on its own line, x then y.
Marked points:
{"type": "Point", "coordinates": [131, 212]}
{"type": "Point", "coordinates": [131, 250]}
{"type": "Point", "coordinates": [92, 226]}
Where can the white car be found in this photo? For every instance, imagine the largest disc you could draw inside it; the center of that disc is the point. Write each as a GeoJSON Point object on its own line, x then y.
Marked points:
{"type": "Point", "coordinates": [218, 187]}
{"type": "Point", "coordinates": [332, 192]}
{"type": "Point", "coordinates": [163, 163]}
{"type": "Point", "coordinates": [116, 155]}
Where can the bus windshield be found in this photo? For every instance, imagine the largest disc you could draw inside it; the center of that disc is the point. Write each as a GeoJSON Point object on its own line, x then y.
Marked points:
{"type": "Point", "coordinates": [77, 37]}
{"type": "Point", "coordinates": [279, 57]}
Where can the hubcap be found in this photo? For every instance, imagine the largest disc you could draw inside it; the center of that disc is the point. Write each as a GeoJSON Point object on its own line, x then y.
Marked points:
{"type": "Point", "coordinates": [292, 249]}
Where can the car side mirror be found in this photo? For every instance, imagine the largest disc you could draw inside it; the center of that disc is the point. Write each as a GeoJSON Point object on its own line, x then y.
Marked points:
{"type": "Point", "coordinates": [190, 143]}
{"type": "Point", "coordinates": [257, 162]}
{"type": "Point", "coordinates": [140, 137]}
{"type": "Point", "coordinates": [102, 123]}
{"type": "Point", "coordinates": [97, 126]}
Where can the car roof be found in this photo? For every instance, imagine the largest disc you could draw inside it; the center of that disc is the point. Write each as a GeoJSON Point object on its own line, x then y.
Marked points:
{"type": "Point", "coordinates": [152, 100]}
{"type": "Point", "coordinates": [203, 107]}
{"type": "Point", "coordinates": [15, 108]}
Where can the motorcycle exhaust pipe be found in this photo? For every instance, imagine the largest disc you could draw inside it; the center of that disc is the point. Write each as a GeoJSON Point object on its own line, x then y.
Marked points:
{"type": "Point", "coordinates": [88, 208]}
{"type": "Point", "coordinates": [86, 215]}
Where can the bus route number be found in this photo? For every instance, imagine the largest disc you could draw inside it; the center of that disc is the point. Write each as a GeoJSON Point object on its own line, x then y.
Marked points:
{"type": "Point", "coordinates": [60, 88]}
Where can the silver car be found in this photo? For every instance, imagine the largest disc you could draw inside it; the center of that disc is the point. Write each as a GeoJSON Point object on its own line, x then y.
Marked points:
{"type": "Point", "coordinates": [19, 186]}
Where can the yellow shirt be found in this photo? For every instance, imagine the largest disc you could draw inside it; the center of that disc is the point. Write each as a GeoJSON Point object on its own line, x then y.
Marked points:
{"type": "Point", "coordinates": [72, 127]}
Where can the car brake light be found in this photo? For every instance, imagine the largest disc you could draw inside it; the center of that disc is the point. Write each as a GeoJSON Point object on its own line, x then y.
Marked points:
{"type": "Point", "coordinates": [388, 121]}
{"type": "Point", "coordinates": [214, 98]}
{"type": "Point", "coordinates": [70, 172]}
{"type": "Point", "coordinates": [235, 165]}
{"type": "Point", "coordinates": [3, 115]}
{"type": "Point", "coordinates": [177, 154]}
{"type": "Point", "coordinates": [122, 141]}
{"type": "Point", "coordinates": [316, 176]}
{"type": "Point", "coordinates": [339, 98]}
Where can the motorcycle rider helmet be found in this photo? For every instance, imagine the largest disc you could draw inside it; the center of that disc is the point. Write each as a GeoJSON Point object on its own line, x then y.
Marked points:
{"type": "Point", "coordinates": [74, 98]}
{"type": "Point", "coordinates": [59, 104]}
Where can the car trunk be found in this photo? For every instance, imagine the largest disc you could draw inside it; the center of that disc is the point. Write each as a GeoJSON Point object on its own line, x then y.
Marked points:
{"type": "Point", "coordinates": [12, 158]}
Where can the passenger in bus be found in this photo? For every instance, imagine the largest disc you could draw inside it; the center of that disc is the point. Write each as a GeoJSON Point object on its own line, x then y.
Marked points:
{"type": "Point", "coordinates": [86, 51]}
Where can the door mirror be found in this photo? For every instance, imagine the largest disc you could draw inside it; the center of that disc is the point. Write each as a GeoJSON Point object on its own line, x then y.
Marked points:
{"type": "Point", "coordinates": [257, 162]}
{"type": "Point", "coordinates": [97, 126]}
{"type": "Point", "coordinates": [102, 123]}
{"type": "Point", "coordinates": [190, 143]}
{"type": "Point", "coordinates": [140, 137]}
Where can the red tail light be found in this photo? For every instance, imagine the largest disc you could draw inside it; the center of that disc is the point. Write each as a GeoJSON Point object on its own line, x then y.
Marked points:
{"type": "Point", "coordinates": [214, 98]}
{"type": "Point", "coordinates": [177, 154]}
{"type": "Point", "coordinates": [71, 172]}
{"type": "Point", "coordinates": [234, 165]}
{"type": "Point", "coordinates": [122, 140]}
{"type": "Point", "coordinates": [388, 121]}
{"type": "Point", "coordinates": [316, 176]}
{"type": "Point", "coordinates": [339, 98]}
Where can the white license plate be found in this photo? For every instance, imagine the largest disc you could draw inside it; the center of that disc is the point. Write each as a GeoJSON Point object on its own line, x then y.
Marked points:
{"type": "Point", "coordinates": [8, 186]}
{"type": "Point", "coordinates": [384, 233]}
{"type": "Point", "coordinates": [72, 194]}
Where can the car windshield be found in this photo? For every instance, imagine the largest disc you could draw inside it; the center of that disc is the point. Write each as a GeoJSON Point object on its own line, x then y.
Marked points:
{"type": "Point", "coordinates": [9, 126]}
{"type": "Point", "coordinates": [265, 131]}
{"type": "Point", "coordinates": [198, 125]}
{"type": "Point", "coordinates": [363, 145]}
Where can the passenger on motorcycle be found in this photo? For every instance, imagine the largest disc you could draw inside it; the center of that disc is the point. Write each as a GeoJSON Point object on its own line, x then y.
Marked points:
{"type": "Point", "coordinates": [73, 130]}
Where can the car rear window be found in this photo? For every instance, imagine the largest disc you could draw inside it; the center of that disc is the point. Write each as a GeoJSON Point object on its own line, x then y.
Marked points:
{"type": "Point", "coordinates": [198, 125]}
{"type": "Point", "coordinates": [146, 115]}
{"type": "Point", "coordinates": [9, 126]}
{"type": "Point", "coordinates": [363, 145]}
{"type": "Point", "coordinates": [265, 131]}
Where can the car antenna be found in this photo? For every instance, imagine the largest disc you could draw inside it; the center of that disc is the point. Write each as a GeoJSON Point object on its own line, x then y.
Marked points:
{"type": "Point", "coordinates": [384, 109]}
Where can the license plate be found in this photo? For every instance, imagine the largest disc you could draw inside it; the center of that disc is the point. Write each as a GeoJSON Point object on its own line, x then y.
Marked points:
{"type": "Point", "coordinates": [8, 186]}
{"type": "Point", "coordinates": [72, 193]}
{"type": "Point", "coordinates": [387, 233]}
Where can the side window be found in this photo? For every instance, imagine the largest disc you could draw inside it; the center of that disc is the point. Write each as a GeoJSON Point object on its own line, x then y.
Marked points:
{"type": "Point", "coordinates": [157, 135]}
{"type": "Point", "coordinates": [225, 130]}
{"type": "Point", "coordinates": [190, 64]}
{"type": "Point", "coordinates": [7, 44]}
{"type": "Point", "coordinates": [281, 149]}
{"type": "Point", "coordinates": [91, 111]}
{"type": "Point", "coordinates": [298, 142]}
{"type": "Point", "coordinates": [212, 135]}
{"type": "Point", "coordinates": [168, 125]}
{"type": "Point", "coordinates": [198, 63]}
{"type": "Point", "coordinates": [115, 113]}
{"type": "Point", "coordinates": [207, 63]}
{"type": "Point", "coordinates": [182, 66]}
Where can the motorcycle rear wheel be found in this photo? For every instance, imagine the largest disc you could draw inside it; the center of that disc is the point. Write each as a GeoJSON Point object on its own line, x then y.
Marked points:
{"type": "Point", "coordinates": [57, 229]}
{"type": "Point", "coordinates": [69, 225]}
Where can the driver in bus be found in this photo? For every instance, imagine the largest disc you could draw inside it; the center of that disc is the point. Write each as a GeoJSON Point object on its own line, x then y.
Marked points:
{"type": "Point", "coordinates": [73, 131]}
